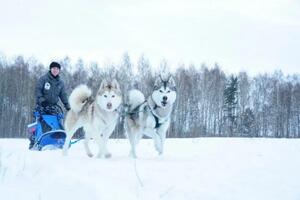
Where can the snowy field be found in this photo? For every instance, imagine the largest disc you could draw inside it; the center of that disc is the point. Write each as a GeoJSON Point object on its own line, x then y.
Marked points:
{"type": "Point", "coordinates": [200, 169]}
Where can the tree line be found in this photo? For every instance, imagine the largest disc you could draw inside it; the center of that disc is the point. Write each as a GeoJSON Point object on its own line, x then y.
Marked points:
{"type": "Point", "coordinates": [209, 102]}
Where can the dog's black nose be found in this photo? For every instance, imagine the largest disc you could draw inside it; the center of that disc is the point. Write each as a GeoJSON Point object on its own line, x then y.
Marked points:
{"type": "Point", "coordinates": [165, 98]}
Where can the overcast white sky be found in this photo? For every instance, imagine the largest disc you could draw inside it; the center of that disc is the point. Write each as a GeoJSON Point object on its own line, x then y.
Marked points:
{"type": "Point", "coordinates": [253, 36]}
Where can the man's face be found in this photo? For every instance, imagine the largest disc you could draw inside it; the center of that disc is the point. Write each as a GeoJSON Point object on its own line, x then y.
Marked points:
{"type": "Point", "coordinates": [54, 71]}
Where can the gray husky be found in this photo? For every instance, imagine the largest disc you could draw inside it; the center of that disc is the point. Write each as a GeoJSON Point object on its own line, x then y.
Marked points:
{"type": "Point", "coordinates": [150, 117]}
{"type": "Point", "coordinates": [98, 116]}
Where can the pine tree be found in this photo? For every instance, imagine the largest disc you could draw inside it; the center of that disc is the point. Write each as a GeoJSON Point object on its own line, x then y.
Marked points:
{"type": "Point", "coordinates": [230, 105]}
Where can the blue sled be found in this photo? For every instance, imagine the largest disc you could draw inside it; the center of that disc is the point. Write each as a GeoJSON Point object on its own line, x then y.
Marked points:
{"type": "Point", "coordinates": [46, 132]}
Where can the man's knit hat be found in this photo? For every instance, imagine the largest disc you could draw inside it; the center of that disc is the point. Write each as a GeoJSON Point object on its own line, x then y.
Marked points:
{"type": "Point", "coordinates": [54, 64]}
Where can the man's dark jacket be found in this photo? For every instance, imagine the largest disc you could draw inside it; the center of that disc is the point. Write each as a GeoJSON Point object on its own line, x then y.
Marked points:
{"type": "Point", "coordinates": [49, 89]}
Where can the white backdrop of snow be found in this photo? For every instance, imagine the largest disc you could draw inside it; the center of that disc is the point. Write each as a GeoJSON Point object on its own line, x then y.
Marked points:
{"type": "Point", "coordinates": [203, 168]}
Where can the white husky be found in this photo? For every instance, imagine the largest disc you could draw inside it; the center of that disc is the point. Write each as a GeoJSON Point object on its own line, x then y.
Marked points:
{"type": "Point", "coordinates": [150, 117]}
{"type": "Point", "coordinates": [98, 116]}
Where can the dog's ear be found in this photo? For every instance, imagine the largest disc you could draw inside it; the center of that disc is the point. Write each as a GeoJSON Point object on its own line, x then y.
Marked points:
{"type": "Point", "coordinates": [103, 85]}
{"type": "Point", "coordinates": [115, 84]}
{"type": "Point", "coordinates": [157, 82]}
{"type": "Point", "coordinates": [172, 82]}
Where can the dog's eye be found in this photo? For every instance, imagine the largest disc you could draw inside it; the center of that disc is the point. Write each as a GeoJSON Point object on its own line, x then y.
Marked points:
{"type": "Point", "coordinates": [105, 95]}
{"type": "Point", "coordinates": [160, 91]}
{"type": "Point", "coordinates": [113, 96]}
{"type": "Point", "coordinates": [168, 91]}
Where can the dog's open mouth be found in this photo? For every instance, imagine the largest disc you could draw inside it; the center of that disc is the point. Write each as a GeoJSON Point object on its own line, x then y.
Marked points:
{"type": "Point", "coordinates": [164, 103]}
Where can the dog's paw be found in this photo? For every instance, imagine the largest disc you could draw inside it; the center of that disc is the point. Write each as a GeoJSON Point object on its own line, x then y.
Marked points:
{"type": "Point", "coordinates": [132, 155]}
{"type": "Point", "coordinates": [108, 155]}
{"type": "Point", "coordinates": [159, 151]}
{"type": "Point", "coordinates": [90, 155]}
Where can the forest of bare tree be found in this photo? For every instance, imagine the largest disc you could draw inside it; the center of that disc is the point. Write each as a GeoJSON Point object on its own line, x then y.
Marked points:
{"type": "Point", "coordinates": [209, 102]}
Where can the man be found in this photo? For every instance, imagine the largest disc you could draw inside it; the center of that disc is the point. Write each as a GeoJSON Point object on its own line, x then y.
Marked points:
{"type": "Point", "coordinates": [49, 89]}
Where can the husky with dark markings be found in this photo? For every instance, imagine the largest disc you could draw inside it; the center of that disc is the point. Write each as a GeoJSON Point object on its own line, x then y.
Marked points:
{"type": "Point", "coordinates": [150, 117]}
{"type": "Point", "coordinates": [98, 116]}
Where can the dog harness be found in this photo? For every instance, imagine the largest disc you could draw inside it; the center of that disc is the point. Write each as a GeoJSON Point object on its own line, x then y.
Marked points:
{"type": "Point", "coordinates": [157, 119]}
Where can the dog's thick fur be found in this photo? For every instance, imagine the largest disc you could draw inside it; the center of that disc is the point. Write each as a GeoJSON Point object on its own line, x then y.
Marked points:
{"type": "Point", "coordinates": [150, 117]}
{"type": "Point", "coordinates": [98, 116]}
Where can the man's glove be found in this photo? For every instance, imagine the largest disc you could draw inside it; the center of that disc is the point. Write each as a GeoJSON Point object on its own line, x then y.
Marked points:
{"type": "Point", "coordinates": [67, 106]}
{"type": "Point", "coordinates": [43, 102]}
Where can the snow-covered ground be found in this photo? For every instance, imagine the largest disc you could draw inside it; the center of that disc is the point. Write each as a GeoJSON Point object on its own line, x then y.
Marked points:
{"type": "Point", "coordinates": [204, 168]}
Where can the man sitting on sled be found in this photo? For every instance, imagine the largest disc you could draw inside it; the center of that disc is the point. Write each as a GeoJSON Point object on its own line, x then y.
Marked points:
{"type": "Point", "coordinates": [49, 89]}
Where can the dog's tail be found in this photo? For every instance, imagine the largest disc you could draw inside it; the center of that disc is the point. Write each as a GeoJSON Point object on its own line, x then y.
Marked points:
{"type": "Point", "coordinates": [135, 98]}
{"type": "Point", "coordinates": [79, 97]}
